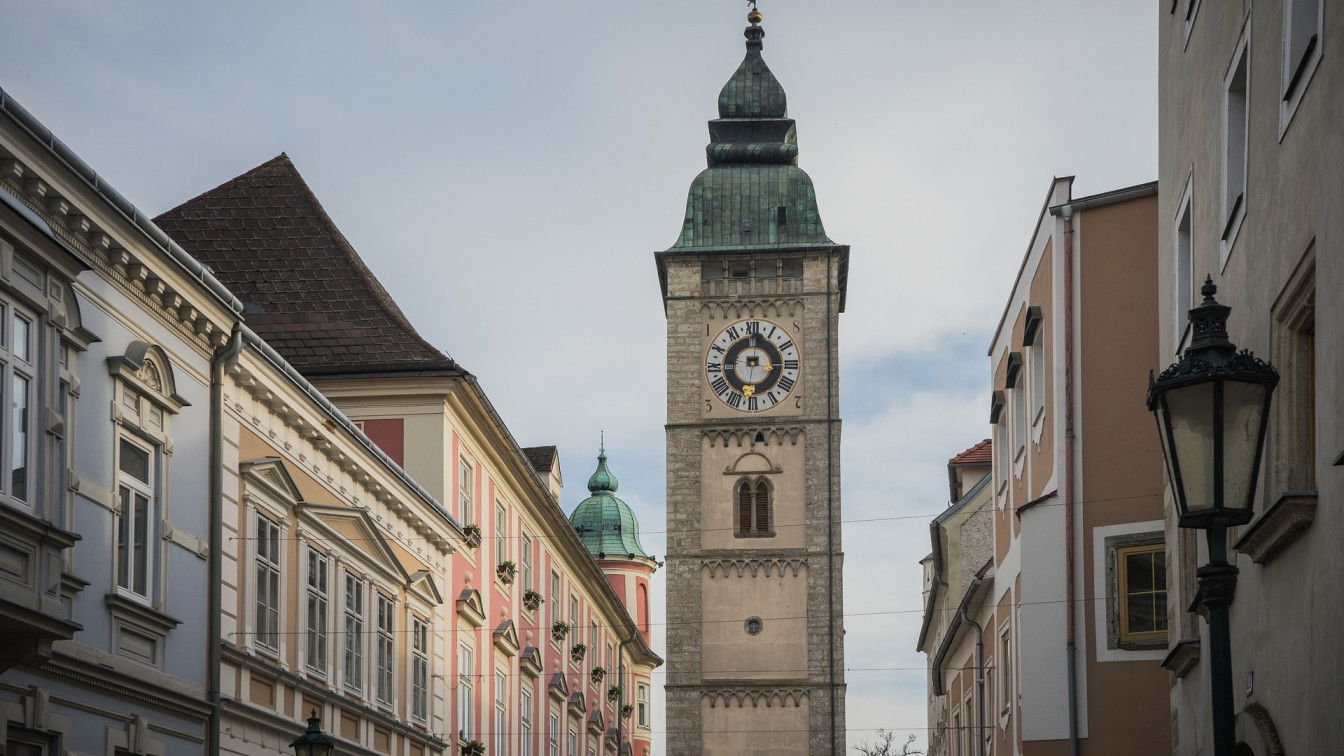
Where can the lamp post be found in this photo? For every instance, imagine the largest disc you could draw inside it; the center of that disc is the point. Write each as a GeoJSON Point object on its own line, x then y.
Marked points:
{"type": "Point", "coordinates": [313, 742]}
{"type": "Point", "coordinates": [1212, 408]}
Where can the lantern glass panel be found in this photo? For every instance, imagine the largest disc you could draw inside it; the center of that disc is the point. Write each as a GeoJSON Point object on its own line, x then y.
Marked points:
{"type": "Point", "coordinates": [1191, 409]}
{"type": "Point", "coordinates": [1243, 412]}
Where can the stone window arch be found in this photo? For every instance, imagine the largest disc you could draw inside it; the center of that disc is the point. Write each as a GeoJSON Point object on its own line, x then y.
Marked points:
{"type": "Point", "coordinates": [753, 500]}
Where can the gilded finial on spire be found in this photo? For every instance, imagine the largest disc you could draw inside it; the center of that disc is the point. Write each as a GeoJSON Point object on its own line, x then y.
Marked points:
{"type": "Point", "coordinates": [754, 15]}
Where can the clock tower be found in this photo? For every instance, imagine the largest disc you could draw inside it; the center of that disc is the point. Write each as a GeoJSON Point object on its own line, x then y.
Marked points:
{"type": "Point", "coordinates": [753, 289]}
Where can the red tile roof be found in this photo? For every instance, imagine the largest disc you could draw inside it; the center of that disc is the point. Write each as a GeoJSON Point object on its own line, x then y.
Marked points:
{"type": "Point", "coordinates": [306, 290]}
{"type": "Point", "coordinates": [976, 455]}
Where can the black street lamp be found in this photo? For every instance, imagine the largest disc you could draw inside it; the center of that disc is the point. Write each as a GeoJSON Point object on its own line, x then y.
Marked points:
{"type": "Point", "coordinates": [1212, 409]}
{"type": "Point", "coordinates": [313, 742]}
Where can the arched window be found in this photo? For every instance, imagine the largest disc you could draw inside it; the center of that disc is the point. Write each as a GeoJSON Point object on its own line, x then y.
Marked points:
{"type": "Point", "coordinates": [753, 508]}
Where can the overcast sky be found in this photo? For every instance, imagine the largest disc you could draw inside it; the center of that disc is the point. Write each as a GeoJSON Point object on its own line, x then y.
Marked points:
{"type": "Point", "coordinates": [508, 168]}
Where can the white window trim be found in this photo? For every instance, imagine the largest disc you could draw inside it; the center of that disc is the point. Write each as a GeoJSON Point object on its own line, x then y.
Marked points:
{"type": "Point", "coordinates": [501, 713]}
{"type": "Point", "coordinates": [1004, 662]}
{"type": "Point", "coordinates": [527, 701]}
{"type": "Point", "coordinates": [384, 638]}
{"type": "Point", "coordinates": [1289, 101]}
{"type": "Point", "coordinates": [466, 491]}
{"type": "Point", "coordinates": [259, 561]}
{"type": "Point", "coordinates": [465, 690]}
{"type": "Point", "coordinates": [150, 490]}
{"type": "Point", "coordinates": [417, 656]}
{"type": "Point", "coordinates": [311, 594]}
{"type": "Point", "coordinates": [1183, 300]}
{"type": "Point", "coordinates": [1233, 209]}
{"type": "Point", "coordinates": [642, 703]}
{"type": "Point", "coordinates": [359, 618]}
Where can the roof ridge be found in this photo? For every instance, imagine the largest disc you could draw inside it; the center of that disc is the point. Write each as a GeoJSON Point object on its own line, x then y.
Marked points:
{"type": "Point", "coordinates": [227, 184]}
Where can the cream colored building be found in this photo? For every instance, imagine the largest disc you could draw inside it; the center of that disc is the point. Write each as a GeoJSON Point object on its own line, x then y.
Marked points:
{"type": "Point", "coordinates": [1049, 638]}
{"type": "Point", "coordinates": [1252, 170]}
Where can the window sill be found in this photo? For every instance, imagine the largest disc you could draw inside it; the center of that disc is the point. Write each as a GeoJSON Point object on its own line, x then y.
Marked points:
{"type": "Point", "coordinates": [1281, 524]}
{"type": "Point", "coordinates": [1182, 657]}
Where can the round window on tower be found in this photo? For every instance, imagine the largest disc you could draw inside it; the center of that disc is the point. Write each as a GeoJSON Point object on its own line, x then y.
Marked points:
{"type": "Point", "coordinates": [753, 626]}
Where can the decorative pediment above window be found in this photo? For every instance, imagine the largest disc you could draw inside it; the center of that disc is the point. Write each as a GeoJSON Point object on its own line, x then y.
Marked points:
{"type": "Point", "coordinates": [506, 638]}
{"type": "Point", "coordinates": [470, 607]}
{"type": "Point", "coordinates": [269, 474]}
{"type": "Point", "coordinates": [595, 723]}
{"type": "Point", "coordinates": [422, 584]}
{"type": "Point", "coordinates": [1014, 369]}
{"type": "Point", "coordinates": [530, 662]}
{"type": "Point", "coordinates": [752, 462]}
{"type": "Point", "coordinates": [1032, 325]}
{"type": "Point", "coordinates": [996, 403]}
{"type": "Point", "coordinates": [577, 704]}
{"type": "Point", "coordinates": [613, 734]}
{"type": "Point", "coordinates": [65, 315]}
{"type": "Point", "coordinates": [358, 535]}
{"type": "Point", "coordinates": [558, 687]}
{"type": "Point", "coordinates": [146, 368]}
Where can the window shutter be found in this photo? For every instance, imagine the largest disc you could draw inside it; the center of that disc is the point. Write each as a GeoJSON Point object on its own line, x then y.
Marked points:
{"type": "Point", "coordinates": [762, 507]}
{"type": "Point", "coordinates": [744, 507]}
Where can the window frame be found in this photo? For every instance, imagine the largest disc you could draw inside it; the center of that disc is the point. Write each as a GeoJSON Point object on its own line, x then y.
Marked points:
{"type": "Point", "coordinates": [1297, 75]}
{"type": "Point", "coordinates": [1236, 145]}
{"type": "Point", "coordinates": [419, 676]}
{"type": "Point", "coordinates": [385, 649]}
{"type": "Point", "coordinates": [501, 709]}
{"type": "Point", "coordinates": [756, 487]}
{"type": "Point", "coordinates": [1118, 548]}
{"type": "Point", "coordinates": [466, 491]}
{"type": "Point", "coordinates": [1183, 258]}
{"type": "Point", "coordinates": [642, 718]}
{"type": "Point", "coordinates": [526, 701]}
{"type": "Point", "coordinates": [466, 669]}
{"type": "Point", "coordinates": [501, 532]}
{"type": "Point", "coordinates": [525, 561]}
{"type": "Point", "coordinates": [124, 550]}
{"type": "Point", "coordinates": [1005, 667]}
{"type": "Point", "coordinates": [267, 558]}
{"type": "Point", "coordinates": [354, 657]}
{"type": "Point", "coordinates": [317, 596]}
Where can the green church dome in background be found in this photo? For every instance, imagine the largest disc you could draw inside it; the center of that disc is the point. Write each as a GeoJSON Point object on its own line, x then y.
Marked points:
{"type": "Point", "coordinates": [605, 524]}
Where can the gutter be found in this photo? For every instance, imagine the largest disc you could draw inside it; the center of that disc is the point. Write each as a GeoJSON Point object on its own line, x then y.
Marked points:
{"type": "Point", "coordinates": [979, 682]}
{"type": "Point", "coordinates": [63, 154]}
{"type": "Point", "coordinates": [223, 357]}
{"type": "Point", "coordinates": [945, 648]}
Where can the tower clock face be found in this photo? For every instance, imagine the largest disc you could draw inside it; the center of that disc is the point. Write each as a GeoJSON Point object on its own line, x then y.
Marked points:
{"type": "Point", "coordinates": [752, 365]}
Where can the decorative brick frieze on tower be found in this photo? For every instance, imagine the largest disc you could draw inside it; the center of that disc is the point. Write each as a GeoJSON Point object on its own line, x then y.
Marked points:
{"type": "Point", "coordinates": [753, 289]}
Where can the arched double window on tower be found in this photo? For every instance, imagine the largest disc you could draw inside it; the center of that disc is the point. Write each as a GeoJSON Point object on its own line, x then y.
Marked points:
{"type": "Point", "coordinates": [755, 508]}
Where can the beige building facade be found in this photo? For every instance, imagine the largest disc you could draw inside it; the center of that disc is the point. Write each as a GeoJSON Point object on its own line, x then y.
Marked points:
{"type": "Point", "coordinates": [1252, 169]}
{"type": "Point", "coordinates": [1049, 637]}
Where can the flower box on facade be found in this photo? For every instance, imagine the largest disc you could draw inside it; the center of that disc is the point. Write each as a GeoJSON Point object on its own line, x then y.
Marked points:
{"type": "Point", "coordinates": [506, 571]}
{"type": "Point", "coordinates": [473, 748]}
{"type": "Point", "coordinates": [472, 533]}
{"type": "Point", "coordinates": [597, 674]}
{"type": "Point", "coordinates": [559, 630]}
{"type": "Point", "coordinates": [613, 693]}
{"type": "Point", "coordinates": [626, 711]}
{"type": "Point", "coordinates": [578, 652]}
{"type": "Point", "coordinates": [532, 600]}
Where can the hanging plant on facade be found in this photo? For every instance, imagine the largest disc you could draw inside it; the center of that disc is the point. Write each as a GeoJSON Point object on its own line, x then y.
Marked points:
{"type": "Point", "coordinates": [532, 600]}
{"type": "Point", "coordinates": [559, 630]}
{"type": "Point", "coordinates": [578, 652]}
{"type": "Point", "coordinates": [506, 571]}
{"type": "Point", "coordinates": [473, 535]}
{"type": "Point", "coordinates": [473, 748]}
{"type": "Point", "coordinates": [626, 711]}
{"type": "Point", "coordinates": [613, 693]}
{"type": "Point", "coordinates": [597, 674]}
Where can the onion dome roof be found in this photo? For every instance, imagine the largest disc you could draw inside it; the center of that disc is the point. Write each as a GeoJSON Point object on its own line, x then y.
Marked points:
{"type": "Point", "coordinates": [606, 525]}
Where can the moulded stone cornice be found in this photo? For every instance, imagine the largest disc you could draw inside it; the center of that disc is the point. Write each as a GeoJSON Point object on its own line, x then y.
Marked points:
{"type": "Point", "coordinates": [158, 287]}
{"type": "Point", "coordinates": [125, 680]}
{"type": "Point", "coordinates": [768, 695]}
{"type": "Point", "coordinates": [751, 308]}
{"type": "Point", "coordinates": [775, 435]}
{"type": "Point", "coordinates": [763, 567]}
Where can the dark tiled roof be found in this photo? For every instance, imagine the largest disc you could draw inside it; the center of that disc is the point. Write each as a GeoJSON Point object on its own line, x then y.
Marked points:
{"type": "Point", "coordinates": [976, 455]}
{"type": "Point", "coordinates": [308, 293]}
{"type": "Point", "coordinates": [540, 457]}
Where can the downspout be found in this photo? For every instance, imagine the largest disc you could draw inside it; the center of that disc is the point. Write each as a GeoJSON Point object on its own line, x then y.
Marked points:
{"type": "Point", "coordinates": [222, 358]}
{"type": "Point", "coordinates": [1066, 213]}
{"type": "Point", "coordinates": [830, 495]}
{"type": "Point", "coordinates": [979, 681]}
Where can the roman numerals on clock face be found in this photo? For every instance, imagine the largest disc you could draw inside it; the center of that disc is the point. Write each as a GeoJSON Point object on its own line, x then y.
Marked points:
{"type": "Point", "coordinates": [752, 365]}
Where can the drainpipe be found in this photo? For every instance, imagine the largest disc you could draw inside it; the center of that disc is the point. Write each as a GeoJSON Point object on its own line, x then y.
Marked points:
{"type": "Point", "coordinates": [1066, 213]}
{"type": "Point", "coordinates": [222, 358]}
{"type": "Point", "coordinates": [979, 682]}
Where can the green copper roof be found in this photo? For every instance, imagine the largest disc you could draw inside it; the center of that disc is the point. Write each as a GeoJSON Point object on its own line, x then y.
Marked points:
{"type": "Point", "coordinates": [605, 524]}
{"type": "Point", "coordinates": [753, 194]}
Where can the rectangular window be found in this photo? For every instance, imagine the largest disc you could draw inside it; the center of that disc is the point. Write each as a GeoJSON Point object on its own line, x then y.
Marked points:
{"type": "Point", "coordinates": [525, 719]}
{"type": "Point", "coordinates": [525, 569]}
{"type": "Point", "coordinates": [642, 705]}
{"type": "Point", "coordinates": [135, 528]}
{"type": "Point", "coordinates": [501, 533]}
{"type": "Point", "coordinates": [1000, 449]}
{"type": "Point", "coordinates": [1005, 672]}
{"type": "Point", "coordinates": [501, 745]}
{"type": "Point", "coordinates": [317, 600]}
{"type": "Point", "coordinates": [266, 622]}
{"type": "Point", "coordinates": [954, 737]}
{"type": "Point", "coordinates": [739, 269]}
{"type": "Point", "coordinates": [466, 485]}
{"type": "Point", "coordinates": [466, 669]}
{"type": "Point", "coordinates": [554, 599]}
{"type": "Point", "coordinates": [1143, 592]}
{"type": "Point", "coordinates": [20, 398]}
{"type": "Point", "coordinates": [1301, 44]}
{"type": "Point", "coordinates": [572, 744]}
{"type": "Point", "coordinates": [1037, 350]}
{"type": "Point", "coordinates": [791, 268]}
{"type": "Point", "coordinates": [1234, 146]}
{"type": "Point", "coordinates": [385, 657]}
{"type": "Point", "coordinates": [1184, 292]}
{"type": "Point", "coordinates": [711, 271]}
{"type": "Point", "coordinates": [353, 660]}
{"type": "Point", "coordinates": [1291, 462]}
{"type": "Point", "coordinates": [1019, 399]}
{"type": "Point", "coordinates": [574, 612]}
{"type": "Point", "coordinates": [765, 268]}
{"type": "Point", "coordinates": [553, 735]}
{"type": "Point", "coordinates": [419, 669]}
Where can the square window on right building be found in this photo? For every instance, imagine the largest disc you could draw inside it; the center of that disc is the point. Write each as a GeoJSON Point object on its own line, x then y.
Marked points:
{"type": "Point", "coordinates": [1137, 591]}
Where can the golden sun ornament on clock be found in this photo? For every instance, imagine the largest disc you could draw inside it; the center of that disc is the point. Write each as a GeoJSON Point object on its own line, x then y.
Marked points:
{"type": "Point", "coordinates": [752, 365]}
